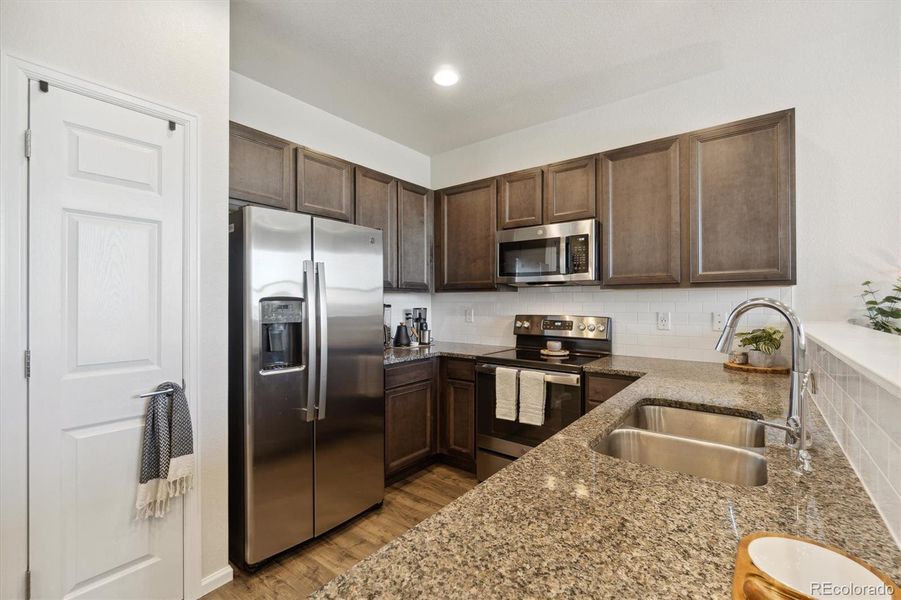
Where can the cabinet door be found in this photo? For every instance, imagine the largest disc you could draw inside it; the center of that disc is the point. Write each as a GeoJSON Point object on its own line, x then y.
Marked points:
{"type": "Point", "coordinates": [415, 242]}
{"type": "Point", "coordinates": [465, 224]}
{"type": "Point", "coordinates": [520, 199]}
{"type": "Point", "coordinates": [602, 388]}
{"type": "Point", "coordinates": [375, 205]}
{"type": "Point", "coordinates": [409, 425]}
{"type": "Point", "coordinates": [458, 431]}
{"type": "Point", "coordinates": [260, 168]}
{"type": "Point", "coordinates": [640, 213]}
{"type": "Point", "coordinates": [742, 201]}
{"type": "Point", "coordinates": [325, 186]}
{"type": "Point", "coordinates": [569, 190]}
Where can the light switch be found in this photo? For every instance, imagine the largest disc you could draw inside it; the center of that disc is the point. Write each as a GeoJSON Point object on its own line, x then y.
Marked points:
{"type": "Point", "coordinates": [469, 314]}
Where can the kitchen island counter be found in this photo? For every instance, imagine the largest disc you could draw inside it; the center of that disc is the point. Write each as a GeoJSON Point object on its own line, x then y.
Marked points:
{"type": "Point", "coordinates": [565, 520]}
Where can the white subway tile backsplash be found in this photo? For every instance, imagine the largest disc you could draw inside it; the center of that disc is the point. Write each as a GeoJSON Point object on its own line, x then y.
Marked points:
{"type": "Point", "coordinates": [634, 314]}
{"type": "Point", "coordinates": [865, 419]}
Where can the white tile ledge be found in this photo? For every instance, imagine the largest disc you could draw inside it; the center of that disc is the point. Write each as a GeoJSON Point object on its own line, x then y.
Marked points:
{"type": "Point", "coordinates": [875, 354]}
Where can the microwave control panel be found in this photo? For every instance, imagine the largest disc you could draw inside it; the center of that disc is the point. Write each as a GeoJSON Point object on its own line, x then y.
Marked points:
{"type": "Point", "coordinates": [578, 253]}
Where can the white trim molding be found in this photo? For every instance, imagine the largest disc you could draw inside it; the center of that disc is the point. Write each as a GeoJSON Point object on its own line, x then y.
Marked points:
{"type": "Point", "coordinates": [214, 580]}
{"type": "Point", "coordinates": [14, 75]}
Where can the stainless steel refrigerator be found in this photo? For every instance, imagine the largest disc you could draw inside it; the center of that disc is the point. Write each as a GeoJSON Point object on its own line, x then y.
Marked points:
{"type": "Point", "coordinates": [306, 405]}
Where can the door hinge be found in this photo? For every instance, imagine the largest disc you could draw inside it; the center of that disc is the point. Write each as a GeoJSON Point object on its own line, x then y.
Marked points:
{"type": "Point", "coordinates": [28, 584]}
{"type": "Point", "coordinates": [28, 143]}
{"type": "Point", "coordinates": [28, 364]}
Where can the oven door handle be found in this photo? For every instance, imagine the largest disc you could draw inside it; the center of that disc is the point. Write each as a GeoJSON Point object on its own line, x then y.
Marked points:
{"type": "Point", "coordinates": [555, 378]}
{"type": "Point", "coordinates": [563, 379]}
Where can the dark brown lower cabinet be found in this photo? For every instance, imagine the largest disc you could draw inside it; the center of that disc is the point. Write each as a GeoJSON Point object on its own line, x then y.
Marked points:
{"type": "Point", "coordinates": [429, 414]}
{"type": "Point", "coordinates": [603, 387]}
{"type": "Point", "coordinates": [410, 417]}
{"type": "Point", "coordinates": [457, 413]}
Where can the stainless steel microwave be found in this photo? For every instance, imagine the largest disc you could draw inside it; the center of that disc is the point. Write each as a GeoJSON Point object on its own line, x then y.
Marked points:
{"type": "Point", "coordinates": [557, 254]}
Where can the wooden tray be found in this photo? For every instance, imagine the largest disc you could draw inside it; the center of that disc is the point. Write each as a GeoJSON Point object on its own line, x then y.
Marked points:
{"type": "Point", "coordinates": [751, 369]}
{"type": "Point", "coordinates": [750, 583]}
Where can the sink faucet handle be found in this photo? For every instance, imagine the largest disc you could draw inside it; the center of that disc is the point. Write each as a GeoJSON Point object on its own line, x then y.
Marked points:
{"type": "Point", "coordinates": [790, 427]}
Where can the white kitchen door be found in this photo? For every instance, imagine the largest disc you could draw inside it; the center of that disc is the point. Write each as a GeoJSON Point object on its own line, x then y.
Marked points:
{"type": "Point", "coordinates": [106, 212]}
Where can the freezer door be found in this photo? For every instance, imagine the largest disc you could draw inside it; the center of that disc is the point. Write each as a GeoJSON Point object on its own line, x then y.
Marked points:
{"type": "Point", "coordinates": [278, 432]}
{"type": "Point", "coordinates": [350, 418]}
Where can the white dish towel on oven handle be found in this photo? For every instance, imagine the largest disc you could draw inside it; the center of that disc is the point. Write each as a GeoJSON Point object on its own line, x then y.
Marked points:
{"type": "Point", "coordinates": [505, 393]}
{"type": "Point", "coordinates": [531, 397]}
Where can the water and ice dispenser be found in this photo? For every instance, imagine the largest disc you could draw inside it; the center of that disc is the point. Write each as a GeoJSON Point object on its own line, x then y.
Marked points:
{"type": "Point", "coordinates": [281, 340]}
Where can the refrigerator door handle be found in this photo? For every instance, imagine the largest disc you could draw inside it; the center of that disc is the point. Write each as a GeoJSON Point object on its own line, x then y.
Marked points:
{"type": "Point", "coordinates": [323, 338]}
{"type": "Point", "coordinates": [309, 339]}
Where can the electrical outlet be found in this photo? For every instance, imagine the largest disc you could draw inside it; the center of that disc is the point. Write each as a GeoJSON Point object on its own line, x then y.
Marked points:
{"type": "Point", "coordinates": [717, 319]}
{"type": "Point", "coordinates": [469, 314]}
{"type": "Point", "coordinates": [664, 321]}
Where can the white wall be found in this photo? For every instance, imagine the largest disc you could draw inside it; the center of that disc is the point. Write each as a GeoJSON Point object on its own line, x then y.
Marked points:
{"type": "Point", "coordinates": [176, 54]}
{"type": "Point", "coordinates": [848, 143]}
{"type": "Point", "coordinates": [264, 108]}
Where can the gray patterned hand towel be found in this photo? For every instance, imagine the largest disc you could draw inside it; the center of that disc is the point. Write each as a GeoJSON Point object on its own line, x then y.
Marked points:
{"type": "Point", "coordinates": [167, 455]}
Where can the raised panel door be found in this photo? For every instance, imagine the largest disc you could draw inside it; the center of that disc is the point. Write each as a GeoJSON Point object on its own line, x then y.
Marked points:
{"type": "Point", "coordinates": [465, 224]}
{"type": "Point", "coordinates": [375, 206]}
{"type": "Point", "coordinates": [520, 199]}
{"type": "Point", "coordinates": [742, 201]}
{"type": "Point", "coordinates": [409, 425]}
{"type": "Point", "coordinates": [570, 190]}
{"type": "Point", "coordinates": [325, 185]}
{"type": "Point", "coordinates": [106, 226]}
{"type": "Point", "coordinates": [414, 213]}
{"type": "Point", "coordinates": [260, 168]}
{"type": "Point", "coordinates": [640, 214]}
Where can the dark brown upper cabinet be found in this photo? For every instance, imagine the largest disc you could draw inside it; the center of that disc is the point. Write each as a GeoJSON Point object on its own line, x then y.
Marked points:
{"type": "Point", "coordinates": [260, 168]}
{"type": "Point", "coordinates": [640, 214]}
{"type": "Point", "coordinates": [465, 221]}
{"type": "Point", "coordinates": [742, 198]}
{"type": "Point", "coordinates": [375, 205]}
{"type": "Point", "coordinates": [569, 190]}
{"type": "Point", "coordinates": [325, 185]}
{"type": "Point", "coordinates": [414, 206]}
{"type": "Point", "coordinates": [520, 199]}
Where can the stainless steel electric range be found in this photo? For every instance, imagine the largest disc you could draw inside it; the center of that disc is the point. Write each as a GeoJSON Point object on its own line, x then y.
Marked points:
{"type": "Point", "coordinates": [586, 339]}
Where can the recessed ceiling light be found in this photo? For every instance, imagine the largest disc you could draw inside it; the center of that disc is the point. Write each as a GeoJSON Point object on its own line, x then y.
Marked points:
{"type": "Point", "coordinates": [446, 76]}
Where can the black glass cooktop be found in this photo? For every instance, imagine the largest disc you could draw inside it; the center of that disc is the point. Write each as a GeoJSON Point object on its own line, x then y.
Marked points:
{"type": "Point", "coordinates": [532, 358]}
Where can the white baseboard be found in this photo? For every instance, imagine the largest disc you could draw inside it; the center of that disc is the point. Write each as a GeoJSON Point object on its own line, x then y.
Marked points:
{"type": "Point", "coordinates": [215, 580]}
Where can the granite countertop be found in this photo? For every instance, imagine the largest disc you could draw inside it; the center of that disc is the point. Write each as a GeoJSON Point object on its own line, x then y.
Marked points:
{"type": "Point", "coordinates": [565, 520]}
{"type": "Point", "coordinates": [401, 354]}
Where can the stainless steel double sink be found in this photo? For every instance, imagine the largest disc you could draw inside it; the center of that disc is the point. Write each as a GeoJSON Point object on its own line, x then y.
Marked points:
{"type": "Point", "coordinates": [723, 447]}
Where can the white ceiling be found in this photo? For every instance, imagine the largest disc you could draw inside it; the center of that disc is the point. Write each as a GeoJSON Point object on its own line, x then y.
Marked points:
{"type": "Point", "coordinates": [521, 62]}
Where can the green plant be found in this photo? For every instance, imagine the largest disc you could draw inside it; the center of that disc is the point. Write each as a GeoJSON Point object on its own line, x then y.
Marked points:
{"type": "Point", "coordinates": [764, 339]}
{"type": "Point", "coordinates": [883, 313]}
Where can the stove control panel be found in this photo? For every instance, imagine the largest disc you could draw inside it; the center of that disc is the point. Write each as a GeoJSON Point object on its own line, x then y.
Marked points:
{"type": "Point", "coordinates": [597, 328]}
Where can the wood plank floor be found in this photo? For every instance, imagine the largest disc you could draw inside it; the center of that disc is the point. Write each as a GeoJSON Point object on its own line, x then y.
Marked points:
{"type": "Point", "coordinates": [299, 573]}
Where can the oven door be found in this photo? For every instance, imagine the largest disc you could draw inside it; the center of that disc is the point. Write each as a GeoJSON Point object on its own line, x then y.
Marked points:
{"type": "Point", "coordinates": [563, 405]}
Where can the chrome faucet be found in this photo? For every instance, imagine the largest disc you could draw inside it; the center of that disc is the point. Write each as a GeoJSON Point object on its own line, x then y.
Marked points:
{"type": "Point", "coordinates": [795, 426]}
